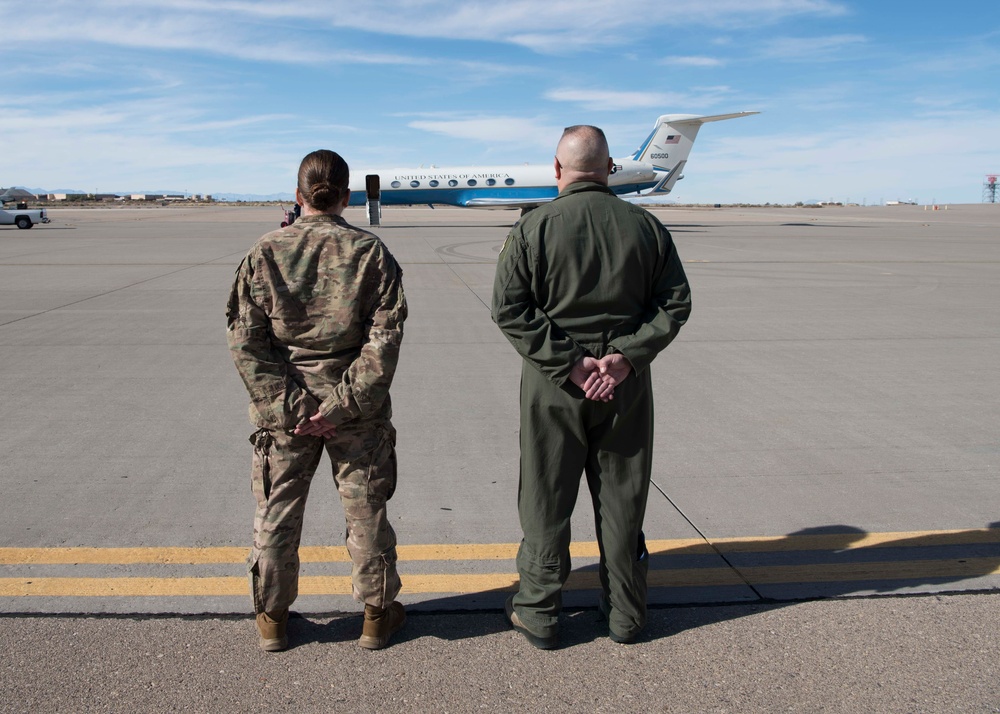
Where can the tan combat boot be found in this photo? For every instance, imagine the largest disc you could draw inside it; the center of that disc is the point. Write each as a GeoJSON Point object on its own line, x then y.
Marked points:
{"type": "Point", "coordinates": [380, 625]}
{"type": "Point", "coordinates": [272, 632]}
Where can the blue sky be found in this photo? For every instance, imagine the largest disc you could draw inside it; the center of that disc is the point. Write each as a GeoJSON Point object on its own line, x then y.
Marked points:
{"type": "Point", "coordinates": [861, 101]}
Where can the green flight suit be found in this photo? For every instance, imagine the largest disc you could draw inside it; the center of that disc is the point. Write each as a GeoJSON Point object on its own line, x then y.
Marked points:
{"type": "Point", "coordinates": [587, 274]}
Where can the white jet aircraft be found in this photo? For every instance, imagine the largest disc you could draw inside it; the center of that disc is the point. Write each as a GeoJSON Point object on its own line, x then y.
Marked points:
{"type": "Point", "coordinates": [652, 170]}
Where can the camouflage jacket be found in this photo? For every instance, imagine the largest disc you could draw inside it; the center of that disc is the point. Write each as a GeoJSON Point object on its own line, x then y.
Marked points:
{"type": "Point", "coordinates": [315, 321]}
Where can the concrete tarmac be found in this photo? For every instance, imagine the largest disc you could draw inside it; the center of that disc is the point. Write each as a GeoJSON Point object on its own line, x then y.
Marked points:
{"type": "Point", "coordinates": [826, 429]}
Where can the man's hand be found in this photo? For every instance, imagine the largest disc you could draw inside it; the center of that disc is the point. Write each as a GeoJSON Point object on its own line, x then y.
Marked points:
{"type": "Point", "coordinates": [614, 368]}
{"type": "Point", "coordinates": [599, 377]}
{"type": "Point", "coordinates": [587, 376]}
{"type": "Point", "coordinates": [316, 426]}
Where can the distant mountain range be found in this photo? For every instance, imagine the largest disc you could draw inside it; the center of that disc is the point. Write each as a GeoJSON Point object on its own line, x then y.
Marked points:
{"type": "Point", "coordinates": [253, 197]}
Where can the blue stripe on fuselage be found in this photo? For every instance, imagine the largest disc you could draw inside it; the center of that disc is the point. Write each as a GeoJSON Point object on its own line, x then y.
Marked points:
{"type": "Point", "coordinates": [457, 196]}
{"type": "Point", "coordinates": [463, 196]}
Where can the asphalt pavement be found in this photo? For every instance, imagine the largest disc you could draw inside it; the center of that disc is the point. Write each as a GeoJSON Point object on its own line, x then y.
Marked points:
{"type": "Point", "coordinates": [824, 522]}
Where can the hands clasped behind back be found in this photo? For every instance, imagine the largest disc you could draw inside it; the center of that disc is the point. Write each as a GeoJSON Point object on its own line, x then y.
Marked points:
{"type": "Point", "coordinates": [599, 377]}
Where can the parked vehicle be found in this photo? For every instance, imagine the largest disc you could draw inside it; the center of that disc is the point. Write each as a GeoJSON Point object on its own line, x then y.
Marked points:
{"type": "Point", "coordinates": [291, 214]}
{"type": "Point", "coordinates": [22, 217]}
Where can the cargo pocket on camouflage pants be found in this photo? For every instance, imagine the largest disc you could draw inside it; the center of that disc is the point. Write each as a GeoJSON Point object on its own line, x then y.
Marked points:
{"type": "Point", "coordinates": [282, 470]}
{"type": "Point", "coordinates": [365, 484]}
{"type": "Point", "coordinates": [381, 482]}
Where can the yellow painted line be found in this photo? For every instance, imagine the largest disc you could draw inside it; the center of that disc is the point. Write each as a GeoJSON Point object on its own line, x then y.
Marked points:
{"type": "Point", "coordinates": [850, 541]}
{"type": "Point", "coordinates": [307, 554]}
{"type": "Point", "coordinates": [120, 556]}
{"type": "Point", "coordinates": [478, 583]}
{"type": "Point", "coordinates": [881, 571]}
{"type": "Point", "coordinates": [500, 551]}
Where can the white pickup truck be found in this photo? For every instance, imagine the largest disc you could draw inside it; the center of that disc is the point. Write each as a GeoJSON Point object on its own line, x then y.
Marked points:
{"type": "Point", "coordinates": [22, 217]}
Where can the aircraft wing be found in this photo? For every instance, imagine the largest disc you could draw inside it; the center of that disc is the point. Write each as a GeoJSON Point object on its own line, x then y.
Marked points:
{"type": "Point", "coordinates": [505, 202]}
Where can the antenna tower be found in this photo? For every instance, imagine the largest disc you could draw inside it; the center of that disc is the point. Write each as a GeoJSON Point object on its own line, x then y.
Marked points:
{"type": "Point", "coordinates": [990, 189]}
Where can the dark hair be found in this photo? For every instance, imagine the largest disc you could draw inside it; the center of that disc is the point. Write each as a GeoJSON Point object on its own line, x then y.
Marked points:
{"type": "Point", "coordinates": [323, 179]}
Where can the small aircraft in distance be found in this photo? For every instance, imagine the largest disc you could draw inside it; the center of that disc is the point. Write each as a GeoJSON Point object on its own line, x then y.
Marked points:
{"type": "Point", "coordinates": [652, 170]}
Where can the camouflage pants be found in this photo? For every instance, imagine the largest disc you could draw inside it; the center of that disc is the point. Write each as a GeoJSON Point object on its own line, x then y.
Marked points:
{"type": "Point", "coordinates": [364, 470]}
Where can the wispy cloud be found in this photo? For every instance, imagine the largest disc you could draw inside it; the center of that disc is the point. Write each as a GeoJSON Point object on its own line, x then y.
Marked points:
{"type": "Point", "coordinates": [204, 32]}
{"type": "Point", "coordinates": [693, 61]}
{"type": "Point", "coordinates": [810, 49]}
{"type": "Point", "coordinates": [598, 99]}
{"type": "Point", "coordinates": [235, 29]}
{"type": "Point", "coordinates": [857, 160]}
{"type": "Point", "coordinates": [226, 96]}
{"type": "Point", "coordinates": [507, 129]}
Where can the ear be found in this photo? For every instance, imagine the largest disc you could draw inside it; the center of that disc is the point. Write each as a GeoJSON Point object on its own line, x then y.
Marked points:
{"type": "Point", "coordinates": [298, 197]}
{"type": "Point", "coordinates": [611, 165]}
{"type": "Point", "coordinates": [347, 197]}
{"type": "Point", "coordinates": [558, 168]}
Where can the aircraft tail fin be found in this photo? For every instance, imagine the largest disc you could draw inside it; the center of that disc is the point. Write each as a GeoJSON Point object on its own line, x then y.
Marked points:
{"type": "Point", "coordinates": [668, 146]}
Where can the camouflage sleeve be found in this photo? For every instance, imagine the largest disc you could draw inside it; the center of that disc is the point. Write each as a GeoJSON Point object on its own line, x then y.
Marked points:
{"type": "Point", "coordinates": [667, 311]}
{"type": "Point", "coordinates": [533, 333]}
{"type": "Point", "coordinates": [365, 384]}
{"type": "Point", "coordinates": [278, 400]}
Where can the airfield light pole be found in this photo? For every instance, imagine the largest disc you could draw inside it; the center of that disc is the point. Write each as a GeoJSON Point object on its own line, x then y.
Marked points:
{"type": "Point", "coordinates": [990, 189]}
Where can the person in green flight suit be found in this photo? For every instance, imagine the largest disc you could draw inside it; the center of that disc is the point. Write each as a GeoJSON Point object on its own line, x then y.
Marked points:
{"type": "Point", "coordinates": [588, 289]}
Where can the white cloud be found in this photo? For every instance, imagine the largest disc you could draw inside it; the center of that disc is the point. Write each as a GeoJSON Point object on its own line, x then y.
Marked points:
{"type": "Point", "coordinates": [921, 158]}
{"type": "Point", "coordinates": [800, 49]}
{"type": "Point", "coordinates": [507, 129]}
{"type": "Point", "coordinates": [203, 32]}
{"type": "Point", "coordinates": [597, 99]}
{"type": "Point", "coordinates": [693, 61]}
{"type": "Point", "coordinates": [235, 28]}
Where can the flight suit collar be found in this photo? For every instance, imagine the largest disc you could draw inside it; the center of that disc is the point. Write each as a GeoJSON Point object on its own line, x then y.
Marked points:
{"type": "Point", "coordinates": [582, 186]}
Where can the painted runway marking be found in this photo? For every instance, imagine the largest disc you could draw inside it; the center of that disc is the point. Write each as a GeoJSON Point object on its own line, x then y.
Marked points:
{"type": "Point", "coordinates": [922, 570]}
{"type": "Point", "coordinates": [891, 568]}
{"type": "Point", "coordinates": [502, 551]}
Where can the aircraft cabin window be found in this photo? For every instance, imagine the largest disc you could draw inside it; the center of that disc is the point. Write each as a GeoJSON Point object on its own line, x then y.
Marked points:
{"type": "Point", "coordinates": [453, 183]}
{"type": "Point", "coordinates": [395, 184]}
{"type": "Point", "coordinates": [414, 184]}
{"type": "Point", "coordinates": [472, 182]}
{"type": "Point", "coordinates": [491, 182]}
{"type": "Point", "coordinates": [434, 183]}
{"type": "Point", "coordinates": [509, 182]}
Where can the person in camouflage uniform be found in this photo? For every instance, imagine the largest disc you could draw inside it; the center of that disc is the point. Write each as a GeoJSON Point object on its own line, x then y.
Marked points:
{"type": "Point", "coordinates": [588, 290]}
{"type": "Point", "coordinates": [315, 322]}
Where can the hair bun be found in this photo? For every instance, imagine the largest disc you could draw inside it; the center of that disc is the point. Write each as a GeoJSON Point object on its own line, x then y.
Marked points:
{"type": "Point", "coordinates": [323, 179]}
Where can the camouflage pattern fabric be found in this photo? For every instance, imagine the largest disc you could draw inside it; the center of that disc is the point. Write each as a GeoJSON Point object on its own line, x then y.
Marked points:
{"type": "Point", "coordinates": [364, 469]}
{"type": "Point", "coordinates": [315, 321]}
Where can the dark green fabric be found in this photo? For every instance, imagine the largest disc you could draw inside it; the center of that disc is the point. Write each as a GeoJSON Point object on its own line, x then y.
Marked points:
{"type": "Point", "coordinates": [563, 436]}
{"type": "Point", "coordinates": [587, 274]}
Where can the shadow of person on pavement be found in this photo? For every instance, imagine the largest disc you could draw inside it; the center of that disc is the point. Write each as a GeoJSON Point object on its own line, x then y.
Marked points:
{"type": "Point", "coordinates": [715, 581]}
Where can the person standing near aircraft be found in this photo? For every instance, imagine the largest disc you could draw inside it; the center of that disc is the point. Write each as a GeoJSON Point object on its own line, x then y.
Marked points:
{"type": "Point", "coordinates": [315, 322]}
{"type": "Point", "coordinates": [588, 289]}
